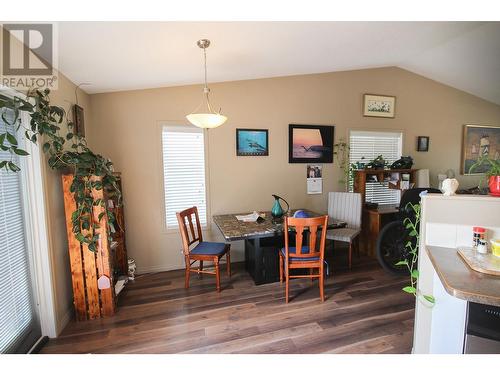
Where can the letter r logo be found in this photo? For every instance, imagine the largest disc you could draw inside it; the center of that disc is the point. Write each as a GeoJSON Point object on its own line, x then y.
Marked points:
{"type": "Point", "coordinates": [27, 49]}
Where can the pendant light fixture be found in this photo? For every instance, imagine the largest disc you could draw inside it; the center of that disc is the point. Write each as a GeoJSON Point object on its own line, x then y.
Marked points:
{"type": "Point", "coordinates": [209, 119]}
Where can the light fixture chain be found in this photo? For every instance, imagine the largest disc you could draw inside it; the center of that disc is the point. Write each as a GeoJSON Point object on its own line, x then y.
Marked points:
{"type": "Point", "coordinates": [206, 89]}
{"type": "Point", "coordinates": [205, 55]}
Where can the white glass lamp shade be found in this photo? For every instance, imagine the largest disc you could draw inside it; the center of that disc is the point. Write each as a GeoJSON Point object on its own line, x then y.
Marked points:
{"type": "Point", "coordinates": [206, 120]}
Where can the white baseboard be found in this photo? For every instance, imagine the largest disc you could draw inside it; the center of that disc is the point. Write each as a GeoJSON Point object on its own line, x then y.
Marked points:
{"type": "Point", "coordinates": [63, 322]}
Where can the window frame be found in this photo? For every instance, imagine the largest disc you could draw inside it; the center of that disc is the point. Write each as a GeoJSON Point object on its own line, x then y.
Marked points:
{"type": "Point", "coordinates": [391, 131]}
{"type": "Point", "coordinates": [183, 126]}
{"type": "Point", "coordinates": [33, 172]}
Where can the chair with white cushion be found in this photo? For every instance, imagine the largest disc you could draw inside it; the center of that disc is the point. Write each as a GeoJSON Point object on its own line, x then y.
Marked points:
{"type": "Point", "coordinates": [345, 207]}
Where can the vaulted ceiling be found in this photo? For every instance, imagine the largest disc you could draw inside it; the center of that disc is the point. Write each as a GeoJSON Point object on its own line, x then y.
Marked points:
{"type": "Point", "coordinates": [113, 56]}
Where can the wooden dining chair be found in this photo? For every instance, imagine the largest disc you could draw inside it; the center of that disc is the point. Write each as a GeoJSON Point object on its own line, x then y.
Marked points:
{"type": "Point", "coordinates": [202, 251]}
{"type": "Point", "coordinates": [304, 256]}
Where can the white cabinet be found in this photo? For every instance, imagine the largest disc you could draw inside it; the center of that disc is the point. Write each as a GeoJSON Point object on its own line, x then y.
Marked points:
{"type": "Point", "coordinates": [447, 222]}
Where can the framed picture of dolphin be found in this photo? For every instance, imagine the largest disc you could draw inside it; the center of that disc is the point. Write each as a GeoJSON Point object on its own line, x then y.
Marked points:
{"type": "Point", "coordinates": [252, 142]}
{"type": "Point", "coordinates": [310, 143]}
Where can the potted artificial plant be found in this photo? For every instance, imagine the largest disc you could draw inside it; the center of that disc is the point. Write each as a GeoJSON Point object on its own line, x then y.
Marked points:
{"type": "Point", "coordinates": [492, 171]}
{"type": "Point", "coordinates": [378, 163]}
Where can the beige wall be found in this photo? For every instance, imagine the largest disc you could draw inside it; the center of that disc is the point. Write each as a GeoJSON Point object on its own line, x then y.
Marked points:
{"type": "Point", "coordinates": [126, 127]}
{"type": "Point", "coordinates": [64, 97]}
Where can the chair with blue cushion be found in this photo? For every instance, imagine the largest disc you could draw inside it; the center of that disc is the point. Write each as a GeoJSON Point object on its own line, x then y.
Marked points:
{"type": "Point", "coordinates": [202, 251]}
{"type": "Point", "coordinates": [304, 256]}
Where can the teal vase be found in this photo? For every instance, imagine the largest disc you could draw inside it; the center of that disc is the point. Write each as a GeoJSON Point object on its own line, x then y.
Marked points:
{"type": "Point", "coordinates": [277, 211]}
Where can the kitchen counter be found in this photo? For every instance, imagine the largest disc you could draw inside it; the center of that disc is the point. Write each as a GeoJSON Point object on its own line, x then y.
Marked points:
{"type": "Point", "coordinates": [461, 281]}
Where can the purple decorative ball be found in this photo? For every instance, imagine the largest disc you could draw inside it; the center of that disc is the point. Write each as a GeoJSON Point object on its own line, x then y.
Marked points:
{"type": "Point", "coordinates": [301, 214]}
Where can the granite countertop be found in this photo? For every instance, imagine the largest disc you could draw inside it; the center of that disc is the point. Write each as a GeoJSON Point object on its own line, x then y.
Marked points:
{"type": "Point", "coordinates": [461, 281]}
{"type": "Point", "coordinates": [232, 229]}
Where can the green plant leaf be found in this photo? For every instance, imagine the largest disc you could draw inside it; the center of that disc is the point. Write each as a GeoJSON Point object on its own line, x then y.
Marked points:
{"type": "Point", "coordinates": [414, 274]}
{"type": "Point", "coordinates": [18, 151]}
{"type": "Point", "coordinates": [431, 299]}
{"type": "Point", "coordinates": [409, 289]}
{"type": "Point", "coordinates": [13, 167]}
{"type": "Point", "coordinates": [12, 140]}
{"type": "Point", "coordinates": [402, 263]}
{"type": "Point", "coordinates": [85, 224]}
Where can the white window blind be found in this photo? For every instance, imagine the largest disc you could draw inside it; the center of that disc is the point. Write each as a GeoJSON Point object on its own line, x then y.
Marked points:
{"type": "Point", "coordinates": [16, 308]}
{"type": "Point", "coordinates": [369, 145]}
{"type": "Point", "coordinates": [184, 172]}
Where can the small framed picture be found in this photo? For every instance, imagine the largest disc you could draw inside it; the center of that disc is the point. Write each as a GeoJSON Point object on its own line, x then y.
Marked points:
{"type": "Point", "coordinates": [314, 171]}
{"type": "Point", "coordinates": [379, 106]}
{"type": "Point", "coordinates": [78, 121]}
{"type": "Point", "coordinates": [422, 143]}
{"type": "Point", "coordinates": [252, 142]}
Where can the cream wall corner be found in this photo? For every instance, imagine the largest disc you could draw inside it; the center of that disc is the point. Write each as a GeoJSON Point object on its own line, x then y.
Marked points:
{"type": "Point", "coordinates": [64, 97]}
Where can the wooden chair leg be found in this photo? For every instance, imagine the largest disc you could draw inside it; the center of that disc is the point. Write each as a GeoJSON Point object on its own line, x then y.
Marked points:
{"type": "Point", "coordinates": [217, 274]}
{"type": "Point", "coordinates": [357, 247]}
{"type": "Point", "coordinates": [321, 284]}
{"type": "Point", "coordinates": [350, 254]}
{"type": "Point", "coordinates": [186, 283]}
{"type": "Point", "coordinates": [311, 273]}
{"type": "Point", "coordinates": [281, 269]}
{"type": "Point", "coordinates": [228, 264]}
{"type": "Point", "coordinates": [287, 282]}
{"type": "Point", "coordinates": [200, 268]}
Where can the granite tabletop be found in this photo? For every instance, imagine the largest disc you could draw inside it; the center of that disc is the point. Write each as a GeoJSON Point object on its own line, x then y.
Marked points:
{"type": "Point", "coordinates": [461, 281]}
{"type": "Point", "coordinates": [232, 229]}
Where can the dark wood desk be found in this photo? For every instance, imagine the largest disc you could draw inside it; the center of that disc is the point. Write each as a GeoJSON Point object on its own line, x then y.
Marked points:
{"type": "Point", "coordinates": [373, 221]}
{"type": "Point", "coordinates": [262, 243]}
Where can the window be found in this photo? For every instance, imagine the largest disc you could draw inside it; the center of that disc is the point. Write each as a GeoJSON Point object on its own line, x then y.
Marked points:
{"type": "Point", "coordinates": [369, 144]}
{"type": "Point", "coordinates": [19, 325]}
{"type": "Point", "coordinates": [183, 172]}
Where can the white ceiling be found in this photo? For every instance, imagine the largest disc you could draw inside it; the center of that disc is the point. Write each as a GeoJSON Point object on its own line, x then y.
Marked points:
{"type": "Point", "coordinates": [114, 56]}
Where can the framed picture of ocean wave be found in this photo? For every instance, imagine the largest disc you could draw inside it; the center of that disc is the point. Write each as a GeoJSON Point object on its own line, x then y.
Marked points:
{"type": "Point", "coordinates": [310, 143]}
{"type": "Point", "coordinates": [379, 106]}
{"type": "Point", "coordinates": [252, 142]}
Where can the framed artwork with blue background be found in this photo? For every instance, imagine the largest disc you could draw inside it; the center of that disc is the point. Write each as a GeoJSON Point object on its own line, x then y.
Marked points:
{"type": "Point", "coordinates": [252, 142]}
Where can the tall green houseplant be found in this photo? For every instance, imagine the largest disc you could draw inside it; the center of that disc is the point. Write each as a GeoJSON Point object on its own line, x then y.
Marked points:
{"type": "Point", "coordinates": [412, 245]}
{"type": "Point", "coordinates": [45, 122]}
{"type": "Point", "coordinates": [341, 151]}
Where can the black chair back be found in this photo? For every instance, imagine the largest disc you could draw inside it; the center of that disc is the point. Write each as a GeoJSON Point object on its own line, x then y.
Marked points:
{"type": "Point", "coordinates": [412, 196]}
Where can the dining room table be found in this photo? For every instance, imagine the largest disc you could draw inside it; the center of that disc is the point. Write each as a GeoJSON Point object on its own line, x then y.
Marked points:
{"type": "Point", "coordinates": [263, 240]}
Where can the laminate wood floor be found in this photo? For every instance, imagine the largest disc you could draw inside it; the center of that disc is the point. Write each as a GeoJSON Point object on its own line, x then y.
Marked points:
{"type": "Point", "coordinates": [365, 312]}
